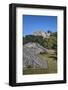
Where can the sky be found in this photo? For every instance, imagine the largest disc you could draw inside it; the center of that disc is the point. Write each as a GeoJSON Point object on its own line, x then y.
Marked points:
{"type": "Point", "coordinates": [33, 23]}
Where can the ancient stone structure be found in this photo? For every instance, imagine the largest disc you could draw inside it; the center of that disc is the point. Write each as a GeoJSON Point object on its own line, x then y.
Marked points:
{"type": "Point", "coordinates": [30, 56]}
{"type": "Point", "coordinates": [42, 33]}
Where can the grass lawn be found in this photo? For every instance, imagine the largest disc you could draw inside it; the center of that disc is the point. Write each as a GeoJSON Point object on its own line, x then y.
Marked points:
{"type": "Point", "coordinates": [34, 71]}
{"type": "Point", "coordinates": [50, 57]}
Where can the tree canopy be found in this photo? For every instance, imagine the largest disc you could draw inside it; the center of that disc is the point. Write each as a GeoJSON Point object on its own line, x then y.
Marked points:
{"type": "Point", "coordinates": [50, 43]}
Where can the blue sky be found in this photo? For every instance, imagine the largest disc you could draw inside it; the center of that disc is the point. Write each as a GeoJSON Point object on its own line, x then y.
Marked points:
{"type": "Point", "coordinates": [34, 23]}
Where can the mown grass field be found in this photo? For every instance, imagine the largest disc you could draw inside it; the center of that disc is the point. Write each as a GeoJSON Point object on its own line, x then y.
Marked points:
{"type": "Point", "coordinates": [51, 58]}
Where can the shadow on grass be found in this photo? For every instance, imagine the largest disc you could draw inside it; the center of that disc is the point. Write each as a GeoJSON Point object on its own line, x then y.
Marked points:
{"type": "Point", "coordinates": [54, 57]}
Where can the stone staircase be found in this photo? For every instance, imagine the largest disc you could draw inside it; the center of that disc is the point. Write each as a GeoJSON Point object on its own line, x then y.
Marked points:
{"type": "Point", "coordinates": [30, 57]}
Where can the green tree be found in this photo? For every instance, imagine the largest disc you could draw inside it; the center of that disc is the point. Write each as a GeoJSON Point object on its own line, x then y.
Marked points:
{"type": "Point", "coordinates": [50, 43]}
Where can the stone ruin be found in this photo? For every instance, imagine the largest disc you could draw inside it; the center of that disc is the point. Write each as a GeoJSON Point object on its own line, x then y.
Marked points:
{"type": "Point", "coordinates": [30, 56]}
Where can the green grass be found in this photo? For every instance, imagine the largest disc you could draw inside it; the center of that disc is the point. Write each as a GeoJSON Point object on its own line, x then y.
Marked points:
{"type": "Point", "coordinates": [50, 57]}
{"type": "Point", "coordinates": [52, 61]}
{"type": "Point", "coordinates": [34, 71]}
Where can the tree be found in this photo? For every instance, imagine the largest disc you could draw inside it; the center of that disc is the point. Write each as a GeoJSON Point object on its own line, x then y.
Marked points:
{"type": "Point", "coordinates": [49, 31]}
{"type": "Point", "coordinates": [50, 43]}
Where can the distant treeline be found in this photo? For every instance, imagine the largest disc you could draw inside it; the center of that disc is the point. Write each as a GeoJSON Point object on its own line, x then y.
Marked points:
{"type": "Point", "coordinates": [50, 43]}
